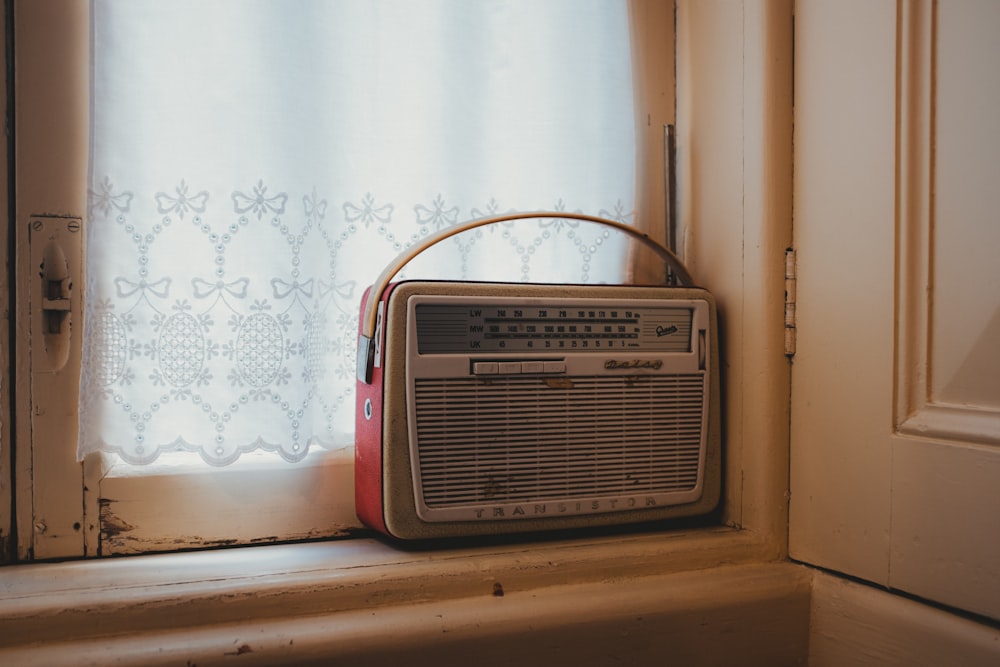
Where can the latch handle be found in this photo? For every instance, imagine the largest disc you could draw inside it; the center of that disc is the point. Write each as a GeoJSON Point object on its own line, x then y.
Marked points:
{"type": "Point", "coordinates": [53, 241]}
{"type": "Point", "coordinates": [56, 288]}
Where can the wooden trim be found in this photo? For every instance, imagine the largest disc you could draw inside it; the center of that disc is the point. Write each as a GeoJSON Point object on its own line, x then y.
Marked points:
{"type": "Point", "coordinates": [858, 624]}
{"type": "Point", "coordinates": [916, 412]}
{"type": "Point", "coordinates": [363, 602]}
{"type": "Point", "coordinates": [966, 424]}
{"type": "Point", "coordinates": [257, 500]}
{"type": "Point", "coordinates": [315, 601]}
{"type": "Point", "coordinates": [51, 109]}
{"type": "Point", "coordinates": [914, 187]}
{"type": "Point", "coordinates": [734, 155]}
{"type": "Point", "coordinates": [7, 541]}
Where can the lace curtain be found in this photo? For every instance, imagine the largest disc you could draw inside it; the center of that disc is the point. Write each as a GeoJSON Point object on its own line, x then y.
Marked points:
{"type": "Point", "coordinates": [255, 163]}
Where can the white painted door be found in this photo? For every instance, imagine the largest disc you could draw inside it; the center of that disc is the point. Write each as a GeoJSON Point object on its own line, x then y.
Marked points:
{"type": "Point", "coordinates": [895, 454]}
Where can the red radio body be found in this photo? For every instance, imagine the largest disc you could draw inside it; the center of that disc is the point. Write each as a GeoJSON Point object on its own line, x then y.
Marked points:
{"type": "Point", "coordinates": [497, 408]}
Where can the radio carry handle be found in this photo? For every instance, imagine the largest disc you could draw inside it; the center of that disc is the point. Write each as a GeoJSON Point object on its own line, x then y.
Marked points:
{"type": "Point", "coordinates": [366, 341]}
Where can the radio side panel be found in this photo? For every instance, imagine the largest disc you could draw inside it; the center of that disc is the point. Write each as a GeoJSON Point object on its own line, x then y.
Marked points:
{"type": "Point", "coordinates": [386, 483]}
{"type": "Point", "coordinates": [368, 459]}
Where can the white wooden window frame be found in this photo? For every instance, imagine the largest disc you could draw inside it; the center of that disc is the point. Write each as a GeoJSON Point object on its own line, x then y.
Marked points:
{"type": "Point", "coordinates": [733, 71]}
{"type": "Point", "coordinates": [735, 222]}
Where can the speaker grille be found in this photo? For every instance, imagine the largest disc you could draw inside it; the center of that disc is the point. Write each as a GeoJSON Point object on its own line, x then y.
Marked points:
{"type": "Point", "coordinates": [539, 439]}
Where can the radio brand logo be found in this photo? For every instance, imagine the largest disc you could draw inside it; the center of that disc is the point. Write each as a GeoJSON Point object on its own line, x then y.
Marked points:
{"type": "Point", "coordinates": [633, 364]}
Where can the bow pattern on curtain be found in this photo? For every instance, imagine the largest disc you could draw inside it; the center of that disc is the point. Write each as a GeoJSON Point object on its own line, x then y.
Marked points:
{"type": "Point", "coordinates": [256, 163]}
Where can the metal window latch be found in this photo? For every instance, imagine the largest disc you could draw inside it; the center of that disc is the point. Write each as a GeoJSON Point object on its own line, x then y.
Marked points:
{"type": "Point", "coordinates": [56, 249]}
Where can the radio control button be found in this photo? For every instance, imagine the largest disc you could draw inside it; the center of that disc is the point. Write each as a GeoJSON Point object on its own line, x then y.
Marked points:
{"type": "Point", "coordinates": [510, 367]}
{"type": "Point", "coordinates": [532, 367]}
{"type": "Point", "coordinates": [485, 368]}
{"type": "Point", "coordinates": [554, 367]}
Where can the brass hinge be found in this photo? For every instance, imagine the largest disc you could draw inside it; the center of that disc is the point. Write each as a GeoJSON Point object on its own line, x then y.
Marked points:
{"type": "Point", "coordinates": [790, 302]}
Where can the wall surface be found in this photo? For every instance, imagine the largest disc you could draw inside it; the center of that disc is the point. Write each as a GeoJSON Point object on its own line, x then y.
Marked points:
{"type": "Point", "coordinates": [855, 624]}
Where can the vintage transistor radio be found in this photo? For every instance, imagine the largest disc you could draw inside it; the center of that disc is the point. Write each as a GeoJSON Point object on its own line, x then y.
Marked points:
{"type": "Point", "coordinates": [486, 408]}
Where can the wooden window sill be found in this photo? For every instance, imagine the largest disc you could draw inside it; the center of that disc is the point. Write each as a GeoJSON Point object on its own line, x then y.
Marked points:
{"type": "Point", "coordinates": [53, 611]}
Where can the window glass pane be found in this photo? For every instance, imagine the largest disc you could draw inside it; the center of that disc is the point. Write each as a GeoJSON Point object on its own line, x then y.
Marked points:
{"type": "Point", "coordinates": [254, 165]}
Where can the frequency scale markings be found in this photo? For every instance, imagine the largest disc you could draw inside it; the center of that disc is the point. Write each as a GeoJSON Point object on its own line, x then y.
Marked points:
{"type": "Point", "coordinates": [453, 328]}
